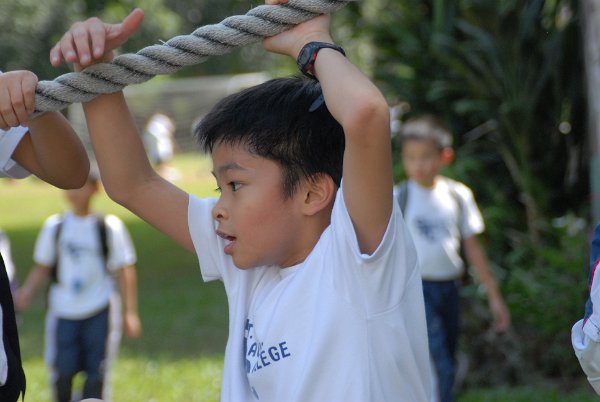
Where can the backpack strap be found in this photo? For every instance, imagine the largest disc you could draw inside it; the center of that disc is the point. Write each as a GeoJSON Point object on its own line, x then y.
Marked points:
{"type": "Point", "coordinates": [103, 232]}
{"type": "Point", "coordinates": [54, 267]}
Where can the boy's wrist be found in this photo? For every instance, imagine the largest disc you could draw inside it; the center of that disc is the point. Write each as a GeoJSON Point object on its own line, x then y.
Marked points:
{"type": "Point", "coordinates": [307, 56]}
{"type": "Point", "coordinates": [318, 36]}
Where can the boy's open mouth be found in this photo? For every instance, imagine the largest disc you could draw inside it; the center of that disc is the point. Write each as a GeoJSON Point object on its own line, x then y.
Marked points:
{"type": "Point", "coordinates": [230, 241]}
{"type": "Point", "coordinates": [225, 236]}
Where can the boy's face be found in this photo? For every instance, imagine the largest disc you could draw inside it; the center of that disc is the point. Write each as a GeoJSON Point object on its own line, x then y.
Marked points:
{"type": "Point", "coordinates": [423, 160]}
{"type": "Point", "coordinates": [261, 226]}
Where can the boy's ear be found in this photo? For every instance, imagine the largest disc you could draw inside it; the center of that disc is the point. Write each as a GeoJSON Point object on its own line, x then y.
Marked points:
{"type": "Point", "coordinates": [447, 155]}
{"type": "Point", "coordinates": [318, 194]}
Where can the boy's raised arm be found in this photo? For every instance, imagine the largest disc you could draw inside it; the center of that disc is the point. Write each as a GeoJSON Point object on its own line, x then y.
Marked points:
{"type": "Point", "coordinates": [357, 104]}
{"type": "Point", "coordinates": [124, 167]}
{"type": "Point", "coordinates": [362, 111]}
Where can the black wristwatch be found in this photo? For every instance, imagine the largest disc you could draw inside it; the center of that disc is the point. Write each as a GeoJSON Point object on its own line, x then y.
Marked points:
{"type": "Point", "coordinates": [308, 55]}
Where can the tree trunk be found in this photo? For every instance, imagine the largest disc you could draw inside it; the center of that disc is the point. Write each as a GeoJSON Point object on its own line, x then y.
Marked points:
{"type": "Point", "coordinates": [590, 12]}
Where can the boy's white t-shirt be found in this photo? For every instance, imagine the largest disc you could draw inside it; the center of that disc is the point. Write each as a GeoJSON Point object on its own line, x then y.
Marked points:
{"type": "Point", "coordinates": [83, 288]}
{"type": "Point", "coordinates": [9, 139]}
{"type": "Point", "coordinates": [341, 326]}
{"type": "Point", "coordinates": [437, 224]}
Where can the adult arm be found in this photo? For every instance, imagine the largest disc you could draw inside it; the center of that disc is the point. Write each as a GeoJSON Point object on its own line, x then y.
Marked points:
{"type": "Point", "coordinates": [51, 149]}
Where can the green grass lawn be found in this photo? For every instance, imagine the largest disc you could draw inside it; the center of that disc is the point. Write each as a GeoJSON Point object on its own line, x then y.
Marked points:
{"type": "Point", "coordinates": [180, 355]}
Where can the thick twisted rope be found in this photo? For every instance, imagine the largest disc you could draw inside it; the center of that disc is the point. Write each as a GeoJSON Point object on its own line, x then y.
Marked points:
{"type": "Point", "coordinates": [186, 50]}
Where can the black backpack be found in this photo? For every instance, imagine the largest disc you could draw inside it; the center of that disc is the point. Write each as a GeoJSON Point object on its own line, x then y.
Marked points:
{"type": "Point", "coordinates": [102, 234]}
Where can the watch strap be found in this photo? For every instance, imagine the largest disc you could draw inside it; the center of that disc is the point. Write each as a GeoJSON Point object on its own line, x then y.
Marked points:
{"type": "Point", "coordinates": [308, 56]}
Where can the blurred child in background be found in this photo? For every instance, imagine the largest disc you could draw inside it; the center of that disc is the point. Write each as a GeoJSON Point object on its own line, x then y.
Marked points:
{"type": "Point", "coordinates": [443, 218]}
{"type": "Point", "coordinates": [82, 252]}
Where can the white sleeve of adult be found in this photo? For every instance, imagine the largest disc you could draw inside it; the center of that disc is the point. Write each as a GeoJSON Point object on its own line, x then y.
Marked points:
{"type": "Point", "coordinates": [585, 337]}
{"type": "Point", "coordinates": [9, 139]}
{"type": "Point", "coordinates": [587, 350]}
{"type": "Point", "coordinates": [591, 326]}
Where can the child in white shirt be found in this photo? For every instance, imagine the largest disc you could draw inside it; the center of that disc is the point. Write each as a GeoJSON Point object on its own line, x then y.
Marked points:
{"type": "Point", "coordinates": [325, 299]}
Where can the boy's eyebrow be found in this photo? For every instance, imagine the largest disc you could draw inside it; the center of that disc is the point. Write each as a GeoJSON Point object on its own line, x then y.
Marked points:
{"type": "Point", "coordinates": [229, 166]}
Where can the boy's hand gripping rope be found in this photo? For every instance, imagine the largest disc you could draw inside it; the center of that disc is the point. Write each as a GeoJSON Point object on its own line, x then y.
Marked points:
{"type": "Point", "coordinates": [186, 50]}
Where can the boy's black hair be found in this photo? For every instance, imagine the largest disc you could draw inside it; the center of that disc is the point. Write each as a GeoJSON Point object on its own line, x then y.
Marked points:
{"type": "Point", "coordinates": [273, 121]}
{"type": "Point", "coordinates": [427, 127]}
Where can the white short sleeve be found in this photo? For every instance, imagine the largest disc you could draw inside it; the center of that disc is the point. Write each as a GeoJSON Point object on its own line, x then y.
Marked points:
{"type": "Point", "coordinates": [472, 221]}
{"type": "Point", "coordinates": [587, 350]}
{"type": "Point", "coordinates": [9, 139]}
{"type": "Point", "coordinates": [394, 260]}
{"type": "Point", "coordinates": [202, 230]}
{"type": "Point", "coordinates": [122, 252]}
{"type": "Point", "coordinates": [45, 246]}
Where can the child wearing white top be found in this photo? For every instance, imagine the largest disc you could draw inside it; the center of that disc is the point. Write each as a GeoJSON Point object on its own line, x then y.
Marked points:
{"type": "Point", "coordinates": [443, 219]}
{"type": "Point", "coordinates": [325, 299]}
{"type": "Point", "coordinates": [89, 260]}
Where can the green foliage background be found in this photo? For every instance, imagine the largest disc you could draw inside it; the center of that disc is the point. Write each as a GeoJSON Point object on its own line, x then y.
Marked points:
{"type": "Point", "coordinates": [29, 29]}
{"type": "Point", "coordinates": [508, 78]}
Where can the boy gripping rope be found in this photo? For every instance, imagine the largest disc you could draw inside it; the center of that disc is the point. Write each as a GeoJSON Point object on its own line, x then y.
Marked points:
{"type": "Point", "coordinates": [324, 291]}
